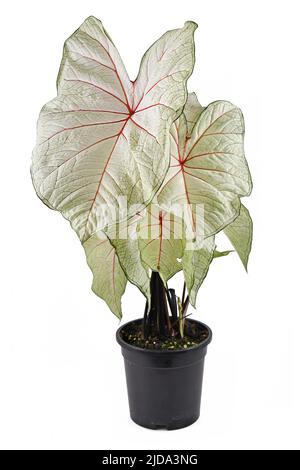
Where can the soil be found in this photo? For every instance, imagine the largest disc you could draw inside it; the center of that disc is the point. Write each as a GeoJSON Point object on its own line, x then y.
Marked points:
{"type": "Point", "coordinates": [194, 335]}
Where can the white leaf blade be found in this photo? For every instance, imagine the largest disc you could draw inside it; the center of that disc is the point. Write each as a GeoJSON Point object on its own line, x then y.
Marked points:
{"type": "Point", "coordinates": [99, 120]}
{"type": "Point", "coordinates": [212, 170]}
{"type": "Point", "coordinates": [165, 68]}
{"type": "Point", "coordinates": [94, 49]}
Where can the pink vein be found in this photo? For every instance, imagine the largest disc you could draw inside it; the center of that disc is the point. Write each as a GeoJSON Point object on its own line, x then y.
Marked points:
{"type": "Point", "coordinates": [216, 133]}
{"type": "Point", "coordinates": [98, 87]}
{"type": "Point", "coordinates": [82, 126]}
{"type": "Point", "coordinates": [206, 169]}
{"type": "Point", "coordinates": [82, 150]}
{"type": "Point", "coordinates": [94, 60]}
{"type": "Point", "coordinates": [88, 110]}
{"type": "Point", "coordinates": [120, 81]}
{"type": "Point", "coordinates": [207, 153]}
{"type": "Point", "coordinates": [153, 215]}
{"type": "Point", "coordinates": [156, 83]}
{"type": "Point", "coordinates": [114, 67]}
{"type": "Point", "coordinates": [103, 173]}
{"type": "Point", "coordinates": [173, 177]}
{"type": "Point", "coordinates": [143, 128]}
{"type": "Point", "coordinates": [197, 177]}
{"type": "Point", "coordinates": [118, 76]}
{"type": "Point", "coordinates": [151, 106]}
{"type": "Point", "coordinates": [153, 86]}
{"type": "Point", "coordinates": [173, 158]}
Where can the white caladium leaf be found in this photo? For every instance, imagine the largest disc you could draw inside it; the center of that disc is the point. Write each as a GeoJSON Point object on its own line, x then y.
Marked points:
{"type": "Point", "coordinates": [104, 136]}
{"type": "Point", "coordinates": [109, 280]}
{"type": "Point", "coordinates": [195, 266]}
{"type": "Point", "coordinates": [239, 233]}
{"type": "Point", "coordinates": [123, 237]}
{"type": "Point", "coordinates": [209, 169]}
{"type": "Point", "coordinates": [161, 242]}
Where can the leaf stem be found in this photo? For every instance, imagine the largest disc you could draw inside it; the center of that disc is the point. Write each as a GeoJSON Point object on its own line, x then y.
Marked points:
{"type": "Point", "coordinates": [183, 293]}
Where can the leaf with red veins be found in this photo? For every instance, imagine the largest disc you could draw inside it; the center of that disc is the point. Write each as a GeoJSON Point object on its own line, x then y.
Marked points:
{"type": "Point", "coordinates": [105, 136]}
{"type": "Point", "coordinates": [211, 171]}
{"type": "Point", "coordinates": [165, 65]}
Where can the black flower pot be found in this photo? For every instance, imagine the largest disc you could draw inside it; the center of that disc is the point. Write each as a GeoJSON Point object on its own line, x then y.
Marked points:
{"type": "Point", "coordinates": [164, 386]}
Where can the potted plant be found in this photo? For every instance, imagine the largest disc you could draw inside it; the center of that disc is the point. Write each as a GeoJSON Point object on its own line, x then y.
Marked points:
{"type": "Point", "coordinates": [146, 177]}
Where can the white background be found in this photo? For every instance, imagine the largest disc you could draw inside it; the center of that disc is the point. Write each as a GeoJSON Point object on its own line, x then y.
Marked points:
{"type": "Point", "coordinates": [61, 371]}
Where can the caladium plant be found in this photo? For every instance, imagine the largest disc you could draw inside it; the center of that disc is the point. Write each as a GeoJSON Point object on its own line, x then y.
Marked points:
{"type": "Point", "coordinates": [120, 158]}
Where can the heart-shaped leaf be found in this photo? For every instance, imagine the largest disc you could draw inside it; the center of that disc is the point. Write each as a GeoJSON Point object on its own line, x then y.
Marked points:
{"type": "Point", "coordinates": [208, 168]}
{"type": "Point", "coordinates": [104, 136]}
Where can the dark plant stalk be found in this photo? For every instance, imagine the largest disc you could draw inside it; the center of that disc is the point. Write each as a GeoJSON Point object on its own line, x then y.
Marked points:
{"type": "Point", "coordinates": [185, 305]}
{"type": "Point", "coordinates": [183, 293]}
{"type": "Point", "coordinates": [145, 323]}
{"type": "Point", "coordinates": [166, 312]}
{"type": "Point", "coordinates": [157, 322]}
{"type": "Point", "coordinates": [171, 296]}
{"type": "Point", "coordinates": [152, 317]}
{"type": "Point", "coordinates": [162, 309]}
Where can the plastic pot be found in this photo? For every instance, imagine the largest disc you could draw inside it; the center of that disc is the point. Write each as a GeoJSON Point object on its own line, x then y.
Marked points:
{"type": "Point", "coordinates": [164, 386]}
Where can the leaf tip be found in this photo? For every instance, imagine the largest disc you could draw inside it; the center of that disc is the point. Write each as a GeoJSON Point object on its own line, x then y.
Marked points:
{"type": "Point", "coordinates": [192, 300]}
{"type": "Point", "coordinates": [191, 24]}
{"type": "Point", "coordinates": [91, 18]}
{"type": "Point", "coordinates": [92, 21]}
{"type": "Point", "coordinates": [245, 264]}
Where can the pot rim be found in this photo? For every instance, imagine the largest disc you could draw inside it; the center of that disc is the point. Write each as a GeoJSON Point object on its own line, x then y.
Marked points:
{"type": "Point", "coordinates": [131, 347]}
